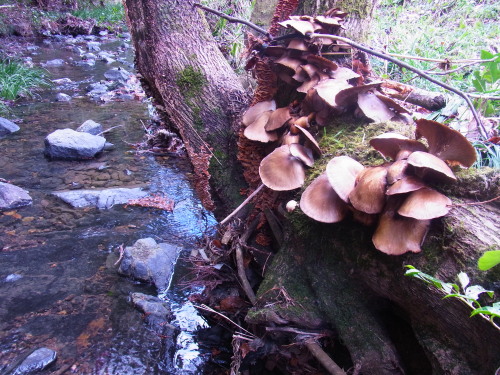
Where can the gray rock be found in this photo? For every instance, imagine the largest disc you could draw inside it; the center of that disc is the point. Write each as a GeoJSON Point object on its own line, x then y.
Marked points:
{"type": "Point", "coordinates": [7, 127]}
{"type": "Point", "coordinates": [150, 262]}
{"type": "Point", "coordinates": [102, 198]}
{"type": "Point", "coordinates": [94, 46]}
{"type": "Point", "coordinates": [62, 81]}
{"type": "Point", "coordinates": [12, 196]}
{"type": "Point", "coordinates": [91, 127]}
{"type": "Point", "coordinates": [108, 146]}
{"type": "Point", "coordinates": [89, 56]}
{"type": "Point", "coordinates": [88, 62]}
{"type": "Point", "coordinates": [36, 361]}
{"type": "Point", "coordinates": [151, 305]}
{"type": "Point", "coordinates": [13, 277]}
{"type": "Point", "coordinates": [62, 97]}
{"type": "Point", "coordinates": [117, 74]}
{"type": "Point", "coordinates": [54, 63]}
{"type": "Point", "coordinates": [97, 88]}
{"type": "Point", "coordinates": [70, 144]}
{"type": "Point", "coordinates": [78, 50]}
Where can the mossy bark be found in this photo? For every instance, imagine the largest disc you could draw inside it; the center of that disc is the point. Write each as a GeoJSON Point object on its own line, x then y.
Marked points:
{"type": "Point", "coordinates": [334, 273]}
{"type": "Point", "coordinates": [194, 87]}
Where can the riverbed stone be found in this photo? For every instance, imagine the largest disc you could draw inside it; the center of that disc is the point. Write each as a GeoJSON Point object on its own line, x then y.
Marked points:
{"type": "Point", "coordinates": [62, 97]}
{"type": "Point", "coordinates": [91, 127]}
{"type": "Point", "coordinates": [12, 196]}
{"type": "Point", "coordinates": [70, 144]}
{"type": "Point", "coordinates": [99, 198]}
{"type": "Point", "coordinates": [54, 63]}
{"type": "Point", "coordinates": [32, 363]}
{"type": "Point", "coordinates": [150, 262]}
{"type": "Point", "coordinates": [94, 46]}
{"type": "Point", "coordinates": [117, 74]}
{"type": "Point", "coordinates": [7, 127]}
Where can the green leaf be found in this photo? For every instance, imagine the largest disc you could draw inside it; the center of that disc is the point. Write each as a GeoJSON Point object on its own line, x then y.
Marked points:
{"type": "Point", "coordinates": [488, 310]}
{"type": "Point", "coordinates": [486, 55]}
{"type": "Point", "coordinates": [475, 290]}
{"type": "Point", "coordinates": [488, 260]}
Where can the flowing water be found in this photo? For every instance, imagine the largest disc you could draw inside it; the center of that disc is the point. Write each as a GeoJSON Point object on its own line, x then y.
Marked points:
{"type": "Point", "coordinates": [59, 287]}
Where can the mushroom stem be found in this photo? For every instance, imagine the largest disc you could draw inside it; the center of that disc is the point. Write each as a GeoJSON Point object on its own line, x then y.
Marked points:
{"type": "Point", "coordinates": [414, 70]}
{"type": "Point", "coordinates": [242, 205]}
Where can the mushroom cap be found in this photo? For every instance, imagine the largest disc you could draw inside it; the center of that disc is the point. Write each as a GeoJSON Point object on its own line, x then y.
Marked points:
{"type": "Point", "coordinates": [289, 62]}
{"type": "Point", "coordinates": [369, 193]}
{"type": "Point", "coordinates": [321, 62]}
{"type": "Point", "coordinates": [396, 235]}
{"type": "Point", "coordinates": [392, 104]}
{"type": "Point", "coordinates": [446, 143]}
{"type": "Point", "coordinates": [342, 172]}
{"type": "Point", "coordinates": [320, 202]}
{"type": "Point", "coordinates": [405, 185]}
{"type": "Point", "coordinates": [428, 166]}
{"type": "Point", "coordinates": [256, 110]}
{"type": "Point", "coordinates": [303, 27]}
{"type": "Point", "coordinates": [373, 107]}
{"type": "Point", "coordinates": [329, 88]}
{"type": "Point", "coordinates": [390, 144]}
{"type": "Point", "coordinates": [308, 84]}
{"type": "Point", "coordinates": [302, 153]}
{"type": "Point", "coordinates": [310, 141]}
{"type": "Point", "coordinates": [349, 96]}
{"type": "Point", "coordinates": [425, 204]}
{"type": "Point", "coordinates": [277, 119]}
{"type": "Point", "coordinates": [281, 171]}
{"type": "Point", "coordinates": [297, 44]}
{"type": "Point", "coordinates": [256, 130]}
{"type": "Point", "coordinates": [396, 171]}
{"type": "Point", "coordinates": [344, 73]}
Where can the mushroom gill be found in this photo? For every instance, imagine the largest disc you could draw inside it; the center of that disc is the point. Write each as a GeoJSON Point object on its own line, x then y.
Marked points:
{"type": "Point", "coordinates": [320, 202]}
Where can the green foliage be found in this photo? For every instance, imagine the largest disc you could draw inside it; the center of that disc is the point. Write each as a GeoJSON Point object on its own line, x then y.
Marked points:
{"type": "Point", "coordinates": [489, 260]}
{"type": "Point", "coordinates": [111, 13]}
{"type": "Point", "coordinates": [465, 292]}
{"type": "Point", "coordinates": [16, 79]}
{"type": "Point", "coordinates": [486, 81]}
{"type": "Point", "coordinates": [488, 155]}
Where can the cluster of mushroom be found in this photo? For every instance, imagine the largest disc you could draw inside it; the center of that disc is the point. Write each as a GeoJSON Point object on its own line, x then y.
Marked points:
{"type": "Point", "coordinates": [394, 195]}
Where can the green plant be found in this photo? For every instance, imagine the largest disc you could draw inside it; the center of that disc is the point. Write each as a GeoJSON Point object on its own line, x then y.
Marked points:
{"type": "Point", "coordinates": [17, 79]}
{"type": "Point", "coordinates": [489, 260]}
{"type": "Point", "coordinates": [465, 292]}
{"type": "Point", "coordinates": [110, 13]}
{"type": "Point", "coordinates": [488, 155]}
{"type": "Point", "coordinates": [486, 81]}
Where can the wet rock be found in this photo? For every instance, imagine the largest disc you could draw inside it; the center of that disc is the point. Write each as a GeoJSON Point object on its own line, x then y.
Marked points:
{"type": "Point", "coordinates": [70, 144]}
{"type": "Point", "coordinates": [117, 74]}
{"type": "Point", "coordinates": [89, 56]}
{"type": "Point", "coordinates": [62, 97]}
{"type": "Point", "coordinates": [32, 363]}
{"type": "Point", "coordinates": [150, 262]}
{"type": "Point", "coordinates": [108, 146]}
{"type": "Point", "coordinates": [7, 127]}
{"type": "Point", "coordinates": [62, 81]}
{"type": "Point", "coordinates": [78, 50]}
{"type": "Point", "coordinates": [102, 199]}
{"type": "Point", "coordinates": [54, 63]}
{"type": "Point", "coordinates": [96, 90]}
{"type": "Point", "coordinates": [12, 196]}
{"type": "Point", "coordinates": [89, 62]}
{"type": "Point", "coordinates": [107, 57]}
{"type": "Point", "coordinates": [13, 277]}
{"type": "Point", "coordinates": [91, 127]}
{"type": "Point", "coordinates": [94, 46]}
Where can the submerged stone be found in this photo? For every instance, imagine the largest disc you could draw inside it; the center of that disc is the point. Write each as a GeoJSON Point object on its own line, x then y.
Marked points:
{"type": "Point", "coordinates": [34, 362]}
{"type": "Point", "coordinates": [91, 127]}
{"type": "Point", "coordinates": [12, 196]}
{"type": "Point", "coordinates": [7, 127]}
{"type": "Point", "coordinates": [70, 144]}
{"type": "Point", "coordinates": [102, 199]}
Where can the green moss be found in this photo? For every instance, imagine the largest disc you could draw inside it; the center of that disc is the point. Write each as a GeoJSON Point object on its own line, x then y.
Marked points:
{"type": "Point", "coordinates": [191, 82]}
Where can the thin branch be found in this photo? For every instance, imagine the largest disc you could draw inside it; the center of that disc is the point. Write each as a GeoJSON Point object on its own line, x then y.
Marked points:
{"type": "Point", "coordinates": [457, 69]}
{"type": "Point", "coordinates": [209, 309]}
{"type": "Point", "coordinates": [108, 130]}
{"type": "Point", "coordinates": [474, 203]}
{"type": "Point", "coordinates": [384, 56]}
{"type": "Point", "coordinates": [233, 19]}
{"type": "Point", "coordinates": [240, 263]}
{"type": "Point", "coordinates": [487, 97]}
{"type": "Point", "coordinates": [242, 205]}
{"type": "Point", "coordinates": [323, 358]}
{"type": "Point", "coordinates": [444, 61]}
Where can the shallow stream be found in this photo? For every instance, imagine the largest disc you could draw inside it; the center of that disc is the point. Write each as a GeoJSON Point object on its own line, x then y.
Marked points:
{"type": "Point", "coordinates": [59, 286]}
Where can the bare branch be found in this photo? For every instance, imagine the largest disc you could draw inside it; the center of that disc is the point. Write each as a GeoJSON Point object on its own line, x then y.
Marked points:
{"type": "Point", "coordinates": [384, 56]}
{"type": "Point", "coordinates": [487, 97]}
{"type": "Point", "coordinates": [241, 266]}
{"type": "Point", "coordinates": [233, 19]}
{"type": "Point", "coordinates": [457, 69]}
{"type": "Point", "coordinates": [444, 61]}
{"type": "Point", "coordinates": [323, 358]}
{"type": "Point", "coordinates": [242, 205]}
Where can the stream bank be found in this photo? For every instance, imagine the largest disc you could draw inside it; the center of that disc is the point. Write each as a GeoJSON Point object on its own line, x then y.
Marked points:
{"type": "Point", "coordinates": [58, 280]}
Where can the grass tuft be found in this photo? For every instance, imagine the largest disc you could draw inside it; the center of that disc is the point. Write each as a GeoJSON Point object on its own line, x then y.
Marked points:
{"type": "Point", "coordinates": [109, 14]}
{"type": "Point", "coordinates": [17, 79]}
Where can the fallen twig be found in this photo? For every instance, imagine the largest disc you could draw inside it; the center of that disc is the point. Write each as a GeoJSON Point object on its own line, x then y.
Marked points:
{"type": "Point", "coordinates": [108, 130]}
{"type": "Point", "coordinates": [209, 309]}
{"type": "Point", "coordinates": [234, 20]}
{"type": "Point", "coordinates": [486, 97]}
{"type": "Point", "coordinates": [457, 69]}
{"type": "Point", "coordinates": [323, 358]}
{"type": "Point", "coordinates": [241, 266]}
{"type": "Point", "coordinates": [443, 61]}
{"type": "Point", "coordinates": [121, 249]}
{"type": "Point", "coordinates": [242, 205]}
{"type": "Point", "coordinates": [387, 57]}
{"type": "Point", "coordinates": [474, 203]}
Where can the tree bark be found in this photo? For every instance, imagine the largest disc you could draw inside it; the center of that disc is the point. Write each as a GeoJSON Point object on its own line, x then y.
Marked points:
{"type": "Point", "coordinates": [193, 86]}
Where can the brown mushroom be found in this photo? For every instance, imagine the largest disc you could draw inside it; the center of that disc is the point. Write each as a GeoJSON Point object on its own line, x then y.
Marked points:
{"type": "Point", "coordinates": [373, 107]}
{"type": "Point", "coordinates": [277, 119]}
{"type": "Point", "coordinates": [390, 145]}
{"type": "Point", "coordinates": [256, 130]}
{"type": "Point", "coordinates": [396, 235]}
{"type": "Point", "coordinates": [303, 27]}
{"type": "Point", "coordinates": [446, 143]}
{"type": "Point", "coordinates": [256, 110]}
{"type": "Point", "coordinates": [405, 185]}
{"type": "Point", "coordinates": [369, 193]}
{"type": "Point", "coordinates": [425, 204]}
{"type": "Point", "coordinates": [309, 141]}
{"type": "Point", "coordinates": [342, 172]}
{"type": "Point", "coordinates": [428, 167]}
{"type": "Point", "coordinates": [302, 153]}
{"type": "Point", "coordinates": [281, 171]}
{"type": "Point", "coordinates": [349, 96]}
{"type": "Point", "coordinates": [329, 88]}
{"type": "Point", "coordinates": [320, 202]}
{"type": "Point", "coordinates": [345, 74]}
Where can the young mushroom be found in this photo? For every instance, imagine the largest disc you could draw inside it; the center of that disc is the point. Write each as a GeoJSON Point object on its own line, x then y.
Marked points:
{"type": "Point", "coordinates": [369, 193]}
{"type": "Point", "coordinates": [425, 204]}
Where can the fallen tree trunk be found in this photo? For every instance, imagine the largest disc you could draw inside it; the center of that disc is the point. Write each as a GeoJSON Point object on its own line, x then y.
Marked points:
{"type": "Point", "coordinates": [430, 100]}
